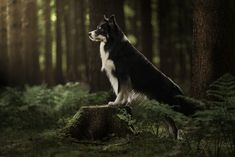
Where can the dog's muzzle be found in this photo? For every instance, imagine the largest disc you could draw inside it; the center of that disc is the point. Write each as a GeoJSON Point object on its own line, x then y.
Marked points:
{"type": "Point", "coordinates": [92, 36]}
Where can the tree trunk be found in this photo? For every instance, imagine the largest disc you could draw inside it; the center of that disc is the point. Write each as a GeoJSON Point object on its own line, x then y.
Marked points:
{"type": "Point", "coordinates": [69, 39]}
{"type": "Point", "coordinates": [146, 29]}
{"type": "Point", "coordinates": [81, 38]}
{"type": "Point", "coordinates": [59, 48]}
{"type": "Point", "coordinates": [3, 44]}
{"type": "Point", "coordinates": [214, 38]}
{"type": "Point", "coordinates": [30, 42]}
{"type": "Point", "coordinates": [73, 35]}
{"type": "Point", "coordinates": [48, 75]}
{"type": "Point", "coordinates": [36, 73]}
{"type": "Point", "coordinates": [14, 42]}
{"type": "Point", "coordinates": [97, 123]}
{"type": "Point", "coordinates": [98, 80]}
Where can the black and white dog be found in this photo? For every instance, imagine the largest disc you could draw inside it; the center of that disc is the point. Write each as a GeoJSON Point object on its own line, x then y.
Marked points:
{"type": "Point", "coordinates": [130, 72]}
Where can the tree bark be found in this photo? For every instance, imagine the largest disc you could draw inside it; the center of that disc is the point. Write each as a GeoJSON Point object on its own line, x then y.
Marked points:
{"type": "Point", "coordinates": [69, 39]}
{"type": "Point", "coordinates": [73, 35]}
{"type": "Point", "coordinates": [48, 75]}
{"type": "Point", "coordinates": [214, 38]}
{"type": "Point", "coordinates": [36, 75]}
{"type": "Point", "coordinates": [14, 42]}
{"type": "Point", "coordinates": [98, 80]}
{"type": "Point", "coordinates": [3, 44]}
{"type": "Point", "coordinates": [81, 38]}
{"type": "Point", "coordinates": [30, 43]}
{"type": "Point", "coordinates": [97, 123]}
{"type": "Point", "coordinates": [59, 49]}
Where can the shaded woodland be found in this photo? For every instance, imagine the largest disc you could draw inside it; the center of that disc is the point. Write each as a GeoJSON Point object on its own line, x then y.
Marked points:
{"type": "Point", "coordinates": [47, 42]}
{"type": "Point", "coordinates": [49, 69]}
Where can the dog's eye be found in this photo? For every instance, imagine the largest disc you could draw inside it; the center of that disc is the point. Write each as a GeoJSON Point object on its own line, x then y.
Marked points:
{"type": "Point", "coordinates": [99, 28]}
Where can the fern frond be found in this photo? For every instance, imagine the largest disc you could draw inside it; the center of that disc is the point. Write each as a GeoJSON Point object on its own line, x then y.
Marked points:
{"type": "Point", "coordinates": [223, 88]}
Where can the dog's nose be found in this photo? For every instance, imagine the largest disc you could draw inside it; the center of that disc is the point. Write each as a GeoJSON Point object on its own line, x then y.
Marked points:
{"type": "Point", "coordinates": [89, 33]}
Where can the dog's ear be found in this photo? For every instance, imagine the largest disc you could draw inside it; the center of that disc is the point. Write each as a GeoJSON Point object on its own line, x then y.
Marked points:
{"type": "Point", "coordinates": [112, 20]}
{"type": "Point", "coordinates": [106, 19]}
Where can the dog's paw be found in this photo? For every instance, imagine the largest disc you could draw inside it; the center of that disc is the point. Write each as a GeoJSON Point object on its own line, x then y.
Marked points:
{"type": "Point", "coordinates": [112, 103]}
{"type": "Point", "coordinates": [115, 104]}
{"type": "Point", "coordinates": [102, 69]}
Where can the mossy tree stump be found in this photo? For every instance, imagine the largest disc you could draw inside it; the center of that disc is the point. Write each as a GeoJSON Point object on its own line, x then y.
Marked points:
{"type": "Point", "coordinates": [97, 123]}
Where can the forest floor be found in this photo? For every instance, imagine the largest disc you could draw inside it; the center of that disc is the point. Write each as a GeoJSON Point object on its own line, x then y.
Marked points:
{"type": "Point", "coordinates": [31, 120]}
{"type": "Point", "coordinates": [48, 144]}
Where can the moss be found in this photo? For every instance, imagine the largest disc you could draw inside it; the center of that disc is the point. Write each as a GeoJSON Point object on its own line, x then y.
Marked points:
{"type": "Point", "coordinates": [96, 123]}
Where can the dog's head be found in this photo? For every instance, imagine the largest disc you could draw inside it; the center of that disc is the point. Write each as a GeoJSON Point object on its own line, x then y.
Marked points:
{"type": "Point", "coordinates": [105, 30]}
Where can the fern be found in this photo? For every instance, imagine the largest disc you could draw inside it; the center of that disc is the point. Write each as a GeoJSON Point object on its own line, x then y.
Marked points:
{"type": "Point", "coordinates": [40, 107]}
{"type": "Point", "coordinates": [222, 89]}
{"type": "Point", "coordinates": [149, 117]}
{"type": "Point", "coordinates": [217, 124]}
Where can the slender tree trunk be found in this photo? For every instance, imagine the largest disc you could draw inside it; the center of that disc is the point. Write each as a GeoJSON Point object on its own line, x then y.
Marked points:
{"type": "Point", "coordinates": [59, 48]}
{"type": "Point", "coordinates": [69, 39]}
{"type": "Point", "coordinates": [146, 29]}
{"type": "Point", "coordinates": [36, 75]}
{"type": "Point", "coordinates": [48, 75]}
{"type": "Point", "coordinates": [81, 38]}
{"type": "Point", "coordinates": [14, 42]}
{"type": "Point", "coordinates": [3, 44]}
{"type": "Point", "coordinates": [214, 38]}
{"type": "Point", "coordinates": [74, 37]}
{"type": "Point", "coordinates": [97, 80]}
{"type": "Point", "coordinates": [30, 41]}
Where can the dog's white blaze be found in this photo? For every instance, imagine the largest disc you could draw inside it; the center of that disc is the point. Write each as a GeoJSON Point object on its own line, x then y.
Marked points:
{"type": "Point", "coordinates": [108, 66]}
{"type": "Point", "coordinates": [95, 37]}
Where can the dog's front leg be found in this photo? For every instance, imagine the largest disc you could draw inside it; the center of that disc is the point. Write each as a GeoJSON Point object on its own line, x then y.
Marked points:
{"type": "Point", "coordinates": [123, 94]}
{"type": "Point", "coordinates": [118, 100]}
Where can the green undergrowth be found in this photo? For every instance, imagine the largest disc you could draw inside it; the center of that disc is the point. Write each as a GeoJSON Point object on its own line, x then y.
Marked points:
{"type": "Point", "coordinates": [40, 107]}
{"type": "Point", "coordinates": [32, 117]}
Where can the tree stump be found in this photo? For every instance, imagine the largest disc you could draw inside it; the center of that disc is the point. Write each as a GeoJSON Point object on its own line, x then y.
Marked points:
{"type": "Point", "coordinates": [98, 122]}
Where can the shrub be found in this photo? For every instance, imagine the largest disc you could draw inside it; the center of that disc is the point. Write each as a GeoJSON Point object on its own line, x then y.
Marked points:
{"type": "Point", "coordinates": [40, 107]}
{"type": "Point", "coordinates": [215, 125]}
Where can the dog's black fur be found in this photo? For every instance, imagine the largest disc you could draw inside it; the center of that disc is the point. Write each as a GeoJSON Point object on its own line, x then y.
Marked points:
{"type": "Point", "coordinates": [133, 67]}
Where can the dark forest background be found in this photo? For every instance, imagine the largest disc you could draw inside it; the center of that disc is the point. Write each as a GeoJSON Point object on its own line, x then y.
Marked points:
{"type": "Point", "coordinates": [46, 41]}
{"type": "Point", "coordinates": [49, 69]}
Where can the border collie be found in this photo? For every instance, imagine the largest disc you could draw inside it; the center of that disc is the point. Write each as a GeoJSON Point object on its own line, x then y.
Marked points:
{"type": "Point", "coordinates": [130, 72]}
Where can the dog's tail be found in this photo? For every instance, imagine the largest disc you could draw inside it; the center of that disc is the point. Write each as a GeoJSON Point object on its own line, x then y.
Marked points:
{"type": "Point", "coordinates": [187, 106]}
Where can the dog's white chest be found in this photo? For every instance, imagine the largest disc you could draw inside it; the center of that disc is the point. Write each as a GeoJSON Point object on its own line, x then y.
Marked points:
{"type": "Point", "coordinates": [109, 67]}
